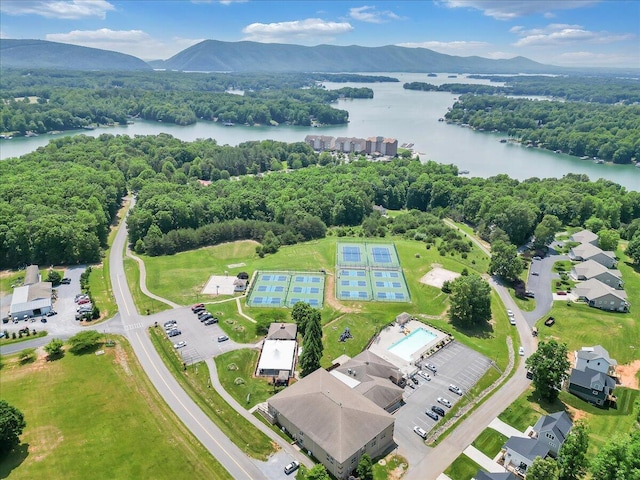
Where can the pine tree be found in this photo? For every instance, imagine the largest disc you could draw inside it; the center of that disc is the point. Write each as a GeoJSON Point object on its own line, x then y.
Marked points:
{"type": "Point", "coordinates": [312, 345]}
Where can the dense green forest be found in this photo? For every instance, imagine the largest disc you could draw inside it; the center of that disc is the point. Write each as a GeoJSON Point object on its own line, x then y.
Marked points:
{"type": "Point", "coordinates": [610, 132]}
{"type": "Point", "coordinates": [56, 203]}
{"type": "Point", "coordinates": [607, 90]}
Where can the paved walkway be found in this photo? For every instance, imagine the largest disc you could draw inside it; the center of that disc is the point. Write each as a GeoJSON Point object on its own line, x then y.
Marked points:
{"type": "Point", "coordinates": [241, 312]}
{"type": "Point", "coordinates": [481, 459]}
{"type": "Point", "coordinates": [507, 430]}
{"type": "Point", "coordinates": [442, 476]}
{"type": "Point", "coordinates": [143, 282]}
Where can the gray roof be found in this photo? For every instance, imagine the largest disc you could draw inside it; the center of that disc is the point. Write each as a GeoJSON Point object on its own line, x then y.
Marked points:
{"type": "Point", "coordinates": [337, 419]}
{"type": "Point", "coordinates": [594, 288]}
{"type": "Point", "coordinates": [403, 318]}
{"type": "Point", "coordinates": [282, 331]}
{"type": "Point", "coordinates": [380, 391]}
{"type": "Point", "coordinates": [559, 423]}
{"type": "Point", "coordinates": [529, 448]}
{"type": "Point", "coordinates": [31, 275]}
{"type": "Point", "coordinates": [587, 377]}
{"type": "Point", "coordinates": [594, 353]}
{"type": "Point", "coordinates": [587, 250]}
{"type": "Point", "coordinates": [591, 268]}
{"type": "Point", "coordinates": [494, 476]}
{"type": "Point", "coordinates": [584, 236]}
{"type": "Point", "coordinates": [31, 297]}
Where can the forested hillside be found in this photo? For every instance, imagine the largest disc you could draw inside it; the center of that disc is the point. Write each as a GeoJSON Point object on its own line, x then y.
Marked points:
{"type": "Point", "coordinates": [56, 204]}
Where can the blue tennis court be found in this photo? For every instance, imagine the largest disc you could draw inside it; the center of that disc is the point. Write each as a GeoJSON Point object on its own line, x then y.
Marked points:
{"type": "Point", "coordinates": [271, 288]}
{"type": "Point", "coordinates": [385, 274]}
{"type": "Point", "coordinates": [353, 273]}
{"type": "Point", "coordinates": [285, 289]}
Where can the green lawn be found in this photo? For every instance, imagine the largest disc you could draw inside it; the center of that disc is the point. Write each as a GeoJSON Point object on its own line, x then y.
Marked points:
{"type": "Point", "coordinates": [462, 468]}
{"type": "Point", "coordinates": [143, 303]}
{"type": "Point", "coordinates": [490, 442]}
{"type": "Point", "coordinates": [562, 266]}
{"type": "Point", "coordinates": [526, 410]}
{"type": "Point", "coordinates": [383, 472]}
{"type": "Point", "coordinates": [8, 340]}
{"type": "Point", "coordinates": [241, 364]}
{"type": "Point", "coordinates": [196, 382]}
{"type": "Point", "coordinates": [237, 327]}
{"type": "Point", "coordinates": [98, 417]}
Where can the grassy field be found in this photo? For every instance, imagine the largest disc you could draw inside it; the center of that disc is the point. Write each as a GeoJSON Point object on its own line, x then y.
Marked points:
{"type": "Point", "coordinates": [490, 442]}
{"type": "Point", "coordinates": [143, 303]}
{"type": "Point", "coordinates": [196, 382]}
{"type": "Point", "coordinates": [8, 340]}
{"type": "Point", "coordinates": [242, 364]}
{"type": "Point", "coordinates": [603, 423]}
{"type": "Point", "coordinates": [462, 468]}
{"type": "Point", "coordinates": [386, 471]}
{"type": "Point", "coordinates": [97, 417]}
{"type": "Point", "coordinates": [237, 327]}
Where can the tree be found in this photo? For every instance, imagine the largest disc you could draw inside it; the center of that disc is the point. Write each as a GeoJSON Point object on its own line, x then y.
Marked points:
{"type": "Point", "coordinates": [572, 458]}
{"type": "Point", "coordinates": [54, 277]}
{"type": "Point", "coordinates": [470, 300]}
{"type": "Point", "coordinates": [54, 349]}
{"type": "Point", "coordinates": [85, 341]}
{"type": "Point", "coordinates": [365, 468]}
{"type": "Point", "coordinates": [27, 355]}
{"type": "Point", "coordinates": [549, 366]}
{"type": "Point", "coordinates": [300, 313]}
{"type": "Point", "coordinates": [312, 345]}
{"type": "Point", "coordinates": [542, 469]}
{"type": "Point", "coordinates": [11, 426]}
{"type": "Point", "coordinates": [505, 261]}
{"type": "Point", "coordinates": [618, 459]}
{"type": "Point", "coordinates": [546, 231]}
{"type": "Point", "coordinates": [633, 248]}
{"type": "Point", "coordinates": [317, 472]}
{"type": "Point", "coordinates": [608, 239]}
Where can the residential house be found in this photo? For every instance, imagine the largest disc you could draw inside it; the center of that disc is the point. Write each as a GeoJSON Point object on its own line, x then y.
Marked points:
{"type": "Point", "coordinates": [585, 236]}
{"type": "Point", "coordinates": [552, 430]}
{"type": "Point", "coordinates": [332, 422]}
{"type": "Point", "coordinates": [592, 386]}
{"type": "Point", "coordinates": [481, 475]}
{"type": "Point", "coordinates": [320, 143]}
{"type": "Point", "coordinates": [592, 269]}
{"type": "Point", "coordinates": [595, 358]}
{"type": "Point", "coordinates": [587, 251]}
{"type": "Point", "coordinates": [519, 452]}
{"type": "Point", "coordinates": [599, 295]}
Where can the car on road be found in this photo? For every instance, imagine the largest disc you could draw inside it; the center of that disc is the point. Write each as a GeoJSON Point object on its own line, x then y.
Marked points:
{"type": "Point", "coordinates": [291, 467]}
{"type": "Point", "coordinates": [210, 321]}
{"type": "Point", "coordinates": [512, 320]}
{"type": "Point", "coordinates": [222, 338]}
{"type": "Point", "coordinates": [455, 389]}
{"type": "Point", "coordinates": [424, 375]}
{"type": "Point", "coordinates": [444, 402]}
{"type": "Point", "coordinates": [431, 367]}
{"type": "Point", "coordinates": [432, 415]}
{"type": "Point", "coordinates": [535, 273]}
{"type": "Point", "coordinates": [510, 313]}
{"type": "Point", "coordinates": [420, 431]}
{"type": "Point", "coordinates": [65, 281]}
{"type": "Point", "coordinates": [521, 351]}
{"type": "Point", "coordinates": [180, 344]}
{"type": "Point", "coordinates": [438, 410]}
{"type": "Point", "coordinates": [529, 294]}
{"type": "Point", "coordinates": [537, 257]}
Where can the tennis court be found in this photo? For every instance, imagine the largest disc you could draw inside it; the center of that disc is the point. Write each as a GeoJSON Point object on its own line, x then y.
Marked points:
{"type": "Point", "coordinates": [353, 284]}
{"type": "Point", "coordinates": [285, 289]}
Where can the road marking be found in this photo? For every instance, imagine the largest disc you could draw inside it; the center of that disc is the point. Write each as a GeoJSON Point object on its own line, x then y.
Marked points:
{"type": "Point", "coordinates": [123, 297]}
{"type": "Point", "coordinates": [188, 411]}
{"type": "Point", "coordinates": [133, 326]}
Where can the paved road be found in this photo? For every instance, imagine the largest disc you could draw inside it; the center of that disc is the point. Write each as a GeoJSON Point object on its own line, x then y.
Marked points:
{"type": "Point", "coordinates": [541, 285]}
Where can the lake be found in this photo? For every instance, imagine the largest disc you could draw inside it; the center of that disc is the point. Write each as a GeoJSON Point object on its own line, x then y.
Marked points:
{"type": "Point", "coordinates": [410, 116]}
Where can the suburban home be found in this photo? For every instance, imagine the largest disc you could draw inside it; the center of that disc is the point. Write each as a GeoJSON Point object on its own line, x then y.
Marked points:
{"type": "Point", "coordinates": [592, 269]}
{"type": "Point", "coordinates": [33, 298]}
{"type": "Point", "coordinates": [595, 358]}
{"type": "Point", "coordinates": [375, 378]}
{"type": "Point", "coordinates": [587, 251]}
{"type": "Point", "coordinates": [592, 386]}
{"type": "Point", "coordinates": [552, 430]}
{"type": "Point", "coordinates": [519, 452]}
{"type": "Point", "coordinates": [599, 295]}
{"type": "Point", "coordinates": [481, 475]}
{"type": "Point", "coordinates": [585, 236]}
{"type": "Point", "coordinates": [332, 422]}
{"type": "Point", "coordinates": [282, 331]}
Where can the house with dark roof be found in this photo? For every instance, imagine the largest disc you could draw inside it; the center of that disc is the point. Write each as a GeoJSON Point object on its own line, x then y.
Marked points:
{"type": "Point", "coordinates": [592, 386]}
{"type": "Point", "coordinates": [521, 452]}
{"type": "Point", "coordinates": [481, 475]}
{"type": "Point", "coordinates": [552, 430]}
{"type": "Point", "coordinates": [332, 422]}
{"type": "Point", "coordinates": [585, 236]}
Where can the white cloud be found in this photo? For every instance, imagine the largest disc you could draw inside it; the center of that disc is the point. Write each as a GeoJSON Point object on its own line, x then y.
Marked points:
{"type": "Point", "coordinates": [510, 9]}
{"type": "Point", "coordinates": [305, 31]}
{"type": "Point", "coordinates": [369, 14]}
{"type": "Point", "coordinates": [73, 9]}
{"type": "Point", "coordinates": [562, 34]}
{"type": "Point", "coordinates": [132, 42]}
{"type": "Point", "coordinates": [591, 59]}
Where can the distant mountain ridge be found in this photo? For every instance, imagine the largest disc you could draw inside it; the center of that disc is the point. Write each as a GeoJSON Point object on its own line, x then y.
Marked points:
{"type": "Point", "coordinates": [63, 56]}
{"type": "Point", "coordinates": [219, 56]}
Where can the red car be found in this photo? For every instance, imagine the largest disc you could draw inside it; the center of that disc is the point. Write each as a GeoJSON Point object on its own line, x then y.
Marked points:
{"type": "Point", "coordinates": [197, 306]}
{"type": "Point", "coordinates": [82, 301]}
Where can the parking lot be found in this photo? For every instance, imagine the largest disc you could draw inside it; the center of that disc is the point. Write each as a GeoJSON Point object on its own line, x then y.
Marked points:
{"type": "Point", "coordinates": [456, 364]}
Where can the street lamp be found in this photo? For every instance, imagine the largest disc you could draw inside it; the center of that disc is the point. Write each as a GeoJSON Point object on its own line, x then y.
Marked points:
{"type": "Point", "coordinates": [217, 289]}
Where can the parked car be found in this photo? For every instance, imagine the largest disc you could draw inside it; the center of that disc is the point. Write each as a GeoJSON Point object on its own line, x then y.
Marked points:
{"type": "Point", "coordinates": [512, 320]}
{"type": "Point", "coordinates": [455, 389]}
{"type": "Point", "coordinates": [560, 292]}
{"type": "Point", "coordinates": [432, 415]}
{"type": "Point", "coordinates": [80, 295]}
{"type": "Point", "coordinates": [43, 320]}
{"type": "Point", "coordinates": [180, 344]}
{"type": "Point", "coordinates": [200, 309]}
{"type": "Point", "coordinates": [535, 274]}
{"type": "Point", "coordinates": [420, 431]}
{"type": "Point", "coordinates": [537, 257]}
{"type": "Point", "coordinates": [424, 375]}
{"type": "Point", "coordinates": [170, 323]}
{"type": "Point", "coordinates": [65, 281]}
{"type": "Point", "coordinates": [83, 300]}
{"type": "Point", "coordinates": [444, 402]}
{"type": "Point", "coordinates": [549, 321]}
{"type": "Point", "coordinates": [51, 313]}
{"type": "Point", "coordinates": [521, 351]}
{"type": "Point", "coordinates": [431, 367]}
{"type": "Point", "coordinates": [438, 410]}
{"type": "Point", "coordinates": [210, 321]}
{"type": "Point", "coordinates": [206, 317]}
{"type": "Point", "coordinates": [291, 467]}
{"type": "Point", "coordinates": [222, 338]}
{"type": "Point", "coordinates": [414, 380]}
{"type": "Point", "coordinates": [174, 332]}
{"type": "Point", "coordinates": [509, 312]}
{"type": "Point", "coordinates": [197, 306]}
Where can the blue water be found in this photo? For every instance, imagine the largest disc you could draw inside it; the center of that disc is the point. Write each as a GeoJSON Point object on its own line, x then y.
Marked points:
{"type": "Point", "coordinates": [405, 347]}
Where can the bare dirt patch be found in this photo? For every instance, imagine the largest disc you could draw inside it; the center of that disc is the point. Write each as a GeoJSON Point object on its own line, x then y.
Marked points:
{"type": "Point", "coordinates": [628, 374]}
{"type": "Point", "coordinates": [121, 358]}
{"type": "Point", "coordinates": [576, 414]}
{"type": "Point", "coordinates": [437, 276]}
{"type": "Point", "coordinates": [330, 297]}
{"type": "Point", "coordinates": [42, 441]}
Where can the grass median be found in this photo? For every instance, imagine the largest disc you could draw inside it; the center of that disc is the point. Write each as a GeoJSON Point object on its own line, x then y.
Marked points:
{"type": "Point", "coordinates": [195, 380]}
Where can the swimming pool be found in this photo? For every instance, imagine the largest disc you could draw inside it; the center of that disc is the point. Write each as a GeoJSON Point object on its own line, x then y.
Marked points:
{"type": "Point", "coordinates": [407, 346]}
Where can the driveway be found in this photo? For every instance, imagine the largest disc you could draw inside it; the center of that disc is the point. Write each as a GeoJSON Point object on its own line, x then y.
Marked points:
{"type": "Point", "coordinates": [541, 285]}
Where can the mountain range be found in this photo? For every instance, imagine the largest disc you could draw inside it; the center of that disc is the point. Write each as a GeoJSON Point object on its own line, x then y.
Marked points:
{"type": "Point", "coordinates": [218, 56]}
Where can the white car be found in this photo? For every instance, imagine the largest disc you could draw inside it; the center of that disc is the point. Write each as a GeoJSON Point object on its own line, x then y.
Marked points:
{"type": "Point", "coordinates": [420, 431]}
{"type": "Point", "coordinates": [521, 351]}
{"type": "Point", "coordinates": [512, 320]}
{"type": "Point", "coordinates": [444, 402]}
{"type": "Point", "coordinates": [424, 375]}
{"type": "Point", "coordinates": [291, 467]}
{"type": "Point", "coordinates": [455, 389]}
{"type": "Point", "coordinates": [180, 344]}
{"type": "Point", "coordinates": [510, 313]}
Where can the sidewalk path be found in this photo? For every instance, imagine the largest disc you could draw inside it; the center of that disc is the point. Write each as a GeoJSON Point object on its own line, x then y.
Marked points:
{"type": "Point", "coordinates": [507, 430]}
{"type": "Point", "coordinates": [143, 282]}
{"type": "Point", "coordinates": [241, 312]}
{"type": "Point", "coordinates": [481, 459]}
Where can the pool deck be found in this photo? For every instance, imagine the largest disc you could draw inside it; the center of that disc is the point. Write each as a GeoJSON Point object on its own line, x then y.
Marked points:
{"type": "Point", "coordinates": [393, 333]}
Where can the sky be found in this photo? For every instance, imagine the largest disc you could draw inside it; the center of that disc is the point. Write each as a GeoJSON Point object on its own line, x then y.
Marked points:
{"type": "Point", "coordinates": [575, 33]}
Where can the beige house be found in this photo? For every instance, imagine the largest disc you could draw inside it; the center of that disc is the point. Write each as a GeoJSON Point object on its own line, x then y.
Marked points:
{"type": "Point", "coordinates": [332, 422]}
{"type": "Point", "coordinates": [585, 236]}
{"type": "Point", "coordinates": [592, 269]}
{"type": "Point", "coordinates": [587, 251]}
{"type": "Point", "coordinates": [599, 295]}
